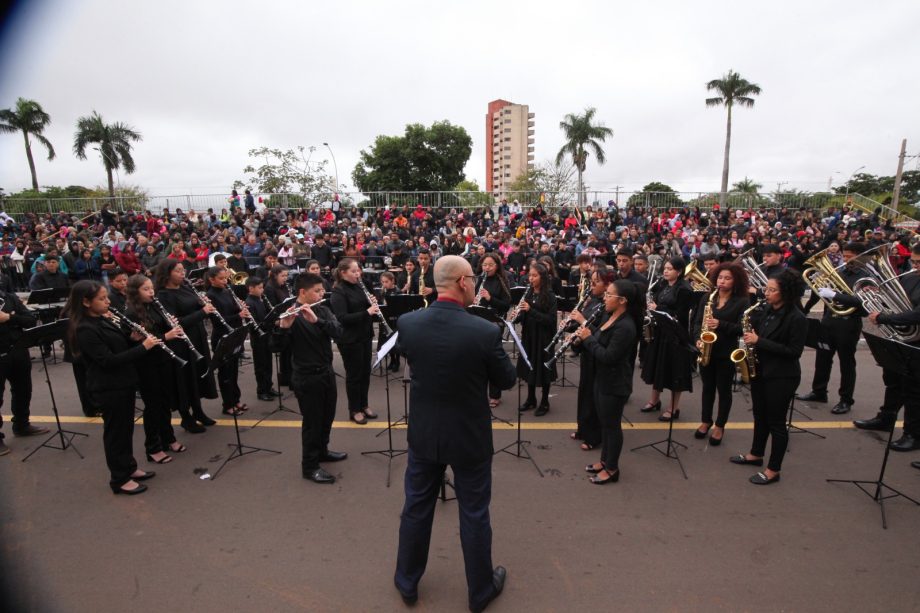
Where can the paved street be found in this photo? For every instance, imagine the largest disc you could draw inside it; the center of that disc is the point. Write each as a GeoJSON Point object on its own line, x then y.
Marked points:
{"type": "Point", "coordinates": [260, 538]}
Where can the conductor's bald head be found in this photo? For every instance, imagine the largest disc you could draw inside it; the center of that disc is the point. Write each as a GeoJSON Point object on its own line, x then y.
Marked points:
{"type": "Point", "coordinates": [453, 276]}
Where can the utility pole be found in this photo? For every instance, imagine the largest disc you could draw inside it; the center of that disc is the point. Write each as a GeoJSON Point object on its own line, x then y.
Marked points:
{"type": "Point", "coordinates": [897, 176]}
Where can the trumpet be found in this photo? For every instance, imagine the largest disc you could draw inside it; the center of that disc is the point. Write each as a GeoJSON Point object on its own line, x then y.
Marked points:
{"type": "Point", "coordinates": [707, 336]}
{"type": "Point", "coordinates": [514, 313]}
{"type": "Point", "coordinates": [171, 319]}
{"type": "Point", "coordinates": [373, 302]}
{"type": "Point", "coordinates": [590, 321]}
{"type": "Point", "coordinates": [121, 319]}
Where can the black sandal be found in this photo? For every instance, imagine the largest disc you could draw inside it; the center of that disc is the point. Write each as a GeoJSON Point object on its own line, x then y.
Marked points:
{"type": "Point", "coordinates": [611, 478]}
{"type": "Point", "coordinates": [164, 460]}
{"type": "Point", "coordinates": [232, 411]}
{"type": "Point", "coordinates": [180, 449]}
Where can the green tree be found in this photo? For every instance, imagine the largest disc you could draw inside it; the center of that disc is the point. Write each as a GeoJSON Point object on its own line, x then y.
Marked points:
{"type": "Point", "coordinates": [29, 118]}
{"type": "Point", "coordinates": [114, 140]}
{"type": "Point", "coordinates": [655, 195]}
{"type": "Point", "coordinates": [732, 89]}
{"type": "Point", "coordinates": [422, 159]}
{"type": "Point", "coordinates": [581, 134]}
{"type": "Point", "coordinates": [289, 171]}
{"type": "Point", "coordinates": [747, 186]}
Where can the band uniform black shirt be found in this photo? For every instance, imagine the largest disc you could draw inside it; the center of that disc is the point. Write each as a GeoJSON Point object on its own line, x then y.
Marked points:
{"type": "Point", "coordinates": [349, 304]}
{"type": "Point", "coordinates": [843, 300]}
{"type": "Point", "coordinates": [429, 283]}
{"type": "Point", "coordinates": [108, 354]}
{"type": "Point", "coordinates": [781, 339]}
{"type": "Point", "coordinates": [729, 328]}
{"type": "Point", "coordinates": [47, 280]}
{"type": "Point", "coordinates": [310, 344]}
{"type": "Point", "coordinates": [223, 300]}
{"type": "Point", "coordinates": [499, 297]}
{"type": "Point", "coordinates": [20, 319]}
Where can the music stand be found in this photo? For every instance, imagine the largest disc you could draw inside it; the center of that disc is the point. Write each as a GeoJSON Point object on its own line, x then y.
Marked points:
{"type": "Point", "coordinates": [490, 316]}
{"type": "Point", "coordinates": [45, 312]}
{"type": "Point", "coordinates": [270, 318]}
{"type": "Point", "coordinates": [227, 349]}
{"type": "Point", "coordinates": [389, 452]}
{"type": "Point", "coordinates": [34, 337]}
{"type": "Point", "coordinates": [903, 360]}
{"type": "Point", "coordinates": [521, 448]}
{"type": "Point", "coordinates": [666, 321]}
{"type": "Point", "coordinates": [792, 428]}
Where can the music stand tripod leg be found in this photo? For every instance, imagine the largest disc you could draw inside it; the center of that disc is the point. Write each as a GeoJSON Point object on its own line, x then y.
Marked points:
{"type": "Point", "coordinates": [239, 449]}
{"type": "Point", "coordinates": [521, 447]}
{"type": "Point", "coordinates": [389, 452]}
{"type": "Point", "coordinates": [671, 447]}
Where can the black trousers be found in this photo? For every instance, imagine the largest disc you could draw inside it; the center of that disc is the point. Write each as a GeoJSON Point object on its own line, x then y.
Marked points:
{"type": "Point", "coordinates": [902, 390]}
{"type": "Point", "coordinates": [17, 369]}
{"type": "Point", "coordinates": [357, 360]}
{"type": "Point", "coordinates": [316, 397]}
{"type": "Point", "coordinates": [717, 377]}
{"type": "Point", "coordinates": [284, 369]}
{"type": "Point", "coordinates": [610, 416]}
{"type": "Point", "coordinates": [262, 363]}
{"type": "Point", "coordinates": [842, 335]}
{"type": "Point", "coordinates": [155, 388]}
{"type": "Point", "coordinates": [473, 486]}
{"type": "Point", "coordinates": [227, 375]}
{"type": "Point", "coordinates": [771, 398]}
{"type": "Point", "coordinates": [117, 433]}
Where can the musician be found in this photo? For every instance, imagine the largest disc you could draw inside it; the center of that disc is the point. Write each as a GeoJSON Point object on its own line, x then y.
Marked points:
{"type": "Point", "coordinates": [259, 306]}
{"type": "Point", "coordinates": [158, 371]}
{"type": "Point", "coordinates": [15, 366]}
{"type": "Point", "coordinates": [118, 283]}
{"type": "Point", "coordinates": [731, 283]}
{"type": "Point", "coordinates": [427, 270]}
{"type": "Point", "coordinates": [269, 261]}
{"type": "Point", "coordinates": [276, 291]}
{"type": "Point", "coordinates": [900, 389]}
{"type": "Point", "coordinates": [236, 262]}
{"type": "Point", "coordinates": [453, 356]}
{"type": "Point", "coordinates": [778, 339]}
{"type": "Point", "coordinates": [611, 347]}
{"type": "Point", "coordinates": [641, 265]}
{"type": "Point", "coordinates": [668, 361]}
{"type": "Point", "coordinates": [581, 270]}
{"type": "Point", "coordinates": [314, 268]}
{"type": "Point", "coordinates": [538, 326]}
{"type": "Point", "coordinates": [555, 281]}
{"type": "Point", "coordinates": [309, 333]}
{"type": "Point", "coordinates": [404, 278]}
{"type": "Point", "coordinates": [772, 260]}
{"type": "Point", "coordinates": [111, 378]}
{"type": "Point", "coordinates": [388, 288]}
{"type": "Point", "coordinates": [589, 427]}
{"type": "Point", "coordinates": [840, 334]}
{"type": "Point", "coordinates": [625, 269]}
{"type": "Point", "coordinates": [181, 301]}
{"type": "Point", "coordinates": [356, 314]}
{"type": "Point", "coordinates": [231, 318]}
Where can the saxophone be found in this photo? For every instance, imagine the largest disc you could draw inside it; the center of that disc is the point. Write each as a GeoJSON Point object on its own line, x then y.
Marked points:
{"type": "Point", "coordinates": [421, 285]}
{"type": "Point", "coordinates": [744, 357]}
{"type": "Point", "coordinates": [707, 336]}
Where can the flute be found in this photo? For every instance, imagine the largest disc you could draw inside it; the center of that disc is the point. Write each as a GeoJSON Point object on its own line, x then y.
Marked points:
{"type": "Point", "coordinates": [296, 309]}
{"type": "Point", "coordinates": [119, 319]}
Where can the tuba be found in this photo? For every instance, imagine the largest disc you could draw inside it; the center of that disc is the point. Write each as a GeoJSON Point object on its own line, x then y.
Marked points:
{"type": "Point", "coordinates": [697, 278]}
{"type": "Point", "coordinates": [821, 273]}
{"type": "Point", "coordinates": [881, 292]}
{"type": "Point", "coordinates": [756, 275]}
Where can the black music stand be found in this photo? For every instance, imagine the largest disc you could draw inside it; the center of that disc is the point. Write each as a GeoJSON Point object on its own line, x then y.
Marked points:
{"type": "Point", "coordinates": [389, 452]}
{"type": "Point", "coordinates": [521, 448]}
{"type": "Point", "coordinates": [34, 337]}
{"type": "Point", "coordinates": [44, 298]}
{"type": "Point", "coordinates": [396, 306]}
{"type": "Point", "coordinates": [905, 361]}
{"type": "Point", "coordinates": [490, 316]}
{"type": "Point", "coordinates": [792, 428]}
{"type": "Point", "coordinates": [228, 348]}
{"type": "Point", "coordinates": [270, 319]}
{"type": "Point", "coordinates": [665, 321]}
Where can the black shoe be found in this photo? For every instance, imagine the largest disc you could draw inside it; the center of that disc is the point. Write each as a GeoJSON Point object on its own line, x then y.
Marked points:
{"type": "Point", "coordinates": [267, 397]}
{"type": "Point", "coordinates": [29, 430]}
{"type": "Point", "coordinates": [650, 408]}
{"type": "Point", "coordinates": [140, 489]}
{"type": "Point", "coordinates": [700, 433]}
{"type": "Point", "coordinates": [905, 443]}
{"type": "Point", "coordinates": [542, 410]}
{"type": "Point", "coordinates": [812, 397]}
{"type": "Point", "coordinates": [333, 456]}
{"type": "Point", "coordinates": [742, 459]}
{"type": "Point", "coordinates": [147, 475]}
{"type": "Point", "coordinates": [841, 407]}
{"type": "Point", "coordinates": [319, 476]}
{"type": "Point", "coordinates": [529, 405]}
{"type": "Point", "coordinates": [498, 582]}
{"type": "Point", "coordinates": [876, 423]}
{"type": "Point", "coordinates": [3, 448]}
{"type": "Point", "coordinates": [204, 420]}
{"type": "Point", "coordinates": [408, 599]}
{"type": "Point", "coordinates": [914, 464]}
{"type": "Point", "coordinates": [762, 479]}
{"type": "Point", "coordinates": [193, 428]}
{"type": "Point", "coordinates": [276, 393]}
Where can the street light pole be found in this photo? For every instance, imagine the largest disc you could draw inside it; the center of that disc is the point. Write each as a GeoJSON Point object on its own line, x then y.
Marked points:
{"type": "Point", "coordinates": [334, 165]}
{"type": "Point", "coordinates": [846, 198]}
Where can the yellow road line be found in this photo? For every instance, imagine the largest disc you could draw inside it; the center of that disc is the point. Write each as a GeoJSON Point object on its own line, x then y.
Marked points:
{"type": "Point", "coordinates": [375, 425]}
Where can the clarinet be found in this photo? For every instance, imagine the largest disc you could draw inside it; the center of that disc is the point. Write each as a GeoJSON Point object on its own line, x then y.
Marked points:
{"type": "Point", "coordinates": [482, 284]}
{"type": "Point", "coordinates": [568, 318]}
{"type": "Point", "coordinates": [169, 317]}
{"type": "Point", "coordinates": [205, 301]}
{"type": "Point", "coordinates": [250, 321]}
{"type": "Point", "coordinates": [370, 298]}
{"type": "Point", "coordinates": [514, 313]}
{"type": "Point", "coordinates": [119, 319]}
{"type": "Point", "coordinates": [595, 314]}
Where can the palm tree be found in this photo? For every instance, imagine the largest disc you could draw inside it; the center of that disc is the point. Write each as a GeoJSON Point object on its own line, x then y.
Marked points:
{"type": "Point", "coordinates": [733, 89]}
{"type": "Point", "coordinates": [747, 186]}
{"type": "Point", "coordinates": [582, 134]}
{"type": "Point", "coordinates": [31, 119]}
{"type": "Point", "coordinates": [114, 144]}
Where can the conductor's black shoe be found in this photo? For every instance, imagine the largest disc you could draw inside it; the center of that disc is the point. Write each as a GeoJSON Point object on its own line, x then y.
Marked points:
{"type": "Point", "coordinates": [333, 456]}
{"type": "Point", "coordinates": [905, 443]}
{"type": "Point", "coordinates": [498, 582]}
{"type": "Point", "coordinates": [812, 397]}
{"type": "Point", "coordinates": [876, 423]}
{"type": "Point", "coordinates": [542, 410]}
{"type": "Point", "coordinates": [408, 599]}
{"type": "Point", "coordinates": [29, 430]}
{"type": "Point", "coordinates": [319, 475]}
{"type": "Point", "coordinates": [914, 464]}
{"type": "Point", "coordinates": [841, 407]}
{"type": "Point", "coordinates": [266, 397]}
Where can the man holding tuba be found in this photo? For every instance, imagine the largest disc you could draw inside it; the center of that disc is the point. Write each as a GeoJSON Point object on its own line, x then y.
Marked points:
{"type": "Point", "coordinates": [841, 324]}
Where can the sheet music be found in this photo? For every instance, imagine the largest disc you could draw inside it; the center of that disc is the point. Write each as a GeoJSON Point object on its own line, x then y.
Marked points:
{"type": "Point", "coordinates": [385, 349]}
{"type": "Point", "coordinates": [517, 341]}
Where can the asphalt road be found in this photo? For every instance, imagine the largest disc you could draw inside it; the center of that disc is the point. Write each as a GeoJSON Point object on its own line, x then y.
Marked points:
{"type": "Point", "coordinates": [260, 538]}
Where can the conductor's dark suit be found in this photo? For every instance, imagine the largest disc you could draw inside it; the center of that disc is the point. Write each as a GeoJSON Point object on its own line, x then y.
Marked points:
{"type": "Point", "coordinates": [453, 357]}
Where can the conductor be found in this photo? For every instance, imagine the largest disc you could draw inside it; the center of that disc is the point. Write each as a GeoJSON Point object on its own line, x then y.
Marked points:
{"type": "Point", "coordinates": [453, 357]}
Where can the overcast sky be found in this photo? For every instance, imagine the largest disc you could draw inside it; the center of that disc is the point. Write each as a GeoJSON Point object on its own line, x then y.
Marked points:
{"type": "Point", "coordinates": [205, 81]}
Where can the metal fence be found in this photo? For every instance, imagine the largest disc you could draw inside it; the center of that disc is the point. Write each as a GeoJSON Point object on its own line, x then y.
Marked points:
{"type": "Point", "coordinates": [551, 201]}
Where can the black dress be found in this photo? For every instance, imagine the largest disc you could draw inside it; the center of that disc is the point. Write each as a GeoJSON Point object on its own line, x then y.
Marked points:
{"type": "Point", "coordinates": [183, 303]}
{"type": "Point", "coordinates": [350, 304]}
{"type": "Point", "coordinates": [538, 326]}
{"type": "Point", "coordinates": [499, 296]}
{"type": "Point", "coordinates": [669, 360]}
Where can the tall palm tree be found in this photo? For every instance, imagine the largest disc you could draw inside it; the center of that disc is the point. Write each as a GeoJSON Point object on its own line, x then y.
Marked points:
{"type": "Point", "coordinates": [114, 144]}
{"type": "Point", "coordinates": [732, 89]}
{"type": "Point", "coordinates": [31, 119]}
{"type": "Point", "coordinates": [747, 186]}
{"type": "Point", "coordinates": [581, 134]}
